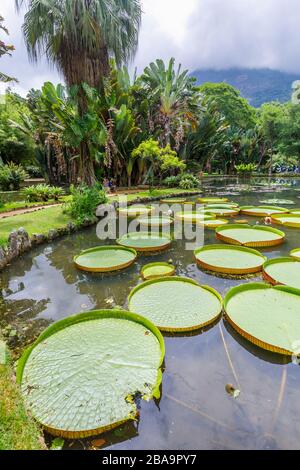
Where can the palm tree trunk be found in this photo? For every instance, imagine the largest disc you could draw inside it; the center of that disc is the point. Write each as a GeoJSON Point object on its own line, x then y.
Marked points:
{"type": "Point", "coordinates": [86, 168]}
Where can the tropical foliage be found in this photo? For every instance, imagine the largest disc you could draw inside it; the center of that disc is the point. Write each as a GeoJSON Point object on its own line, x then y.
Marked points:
{"type": "Point", "coordinates": [4, 50]}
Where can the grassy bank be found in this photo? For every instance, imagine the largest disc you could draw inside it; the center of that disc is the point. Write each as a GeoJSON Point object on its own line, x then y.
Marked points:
{"type": "Point", "coordinates": [18, 431]}
{"type": "Point", "coordinates": [35, 222]}
{"type": "Point", "coordinates": [167, 192]}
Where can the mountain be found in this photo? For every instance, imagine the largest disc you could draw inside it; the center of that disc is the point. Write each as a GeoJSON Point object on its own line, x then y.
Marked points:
{"type": "Point", "coordinates": [257, 85]}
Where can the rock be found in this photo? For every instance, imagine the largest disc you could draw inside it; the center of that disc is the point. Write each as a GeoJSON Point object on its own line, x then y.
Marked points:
{"type": "Point", "coordinates": [71, 227]}
{"type": "Point", "coordinates": [38, 239]}
{"type": "Point", "coordinates": [18, 242]}
{"type": "Point", "coordinates": [3, 258]}
{"type": "Point", "coordinates": [52, 235]}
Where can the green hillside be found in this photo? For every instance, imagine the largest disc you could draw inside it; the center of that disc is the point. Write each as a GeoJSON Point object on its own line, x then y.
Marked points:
{"type": "Point", "coordinates": [257, 85]}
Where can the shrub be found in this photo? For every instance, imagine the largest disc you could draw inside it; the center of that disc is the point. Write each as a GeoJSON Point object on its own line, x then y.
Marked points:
{"type": "Point", "coordinates": [172, 181]}
{"type": "Point", "coordinates": [34, 171]}
{"type": "Point", "coordinates": [85, 202]}
{"type": "Point", "coordinates": [245, 168]}
{"type": "Point", "coordinates": [188, 181]}
{"type": "Point", "coordinates": [42, 193]}
{"type": "Point", "coordinates": [11, 176]}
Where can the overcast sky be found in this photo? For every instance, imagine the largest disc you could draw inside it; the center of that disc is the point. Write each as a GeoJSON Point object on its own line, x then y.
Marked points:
{"type": "Point", "coordinates": [198, 33]}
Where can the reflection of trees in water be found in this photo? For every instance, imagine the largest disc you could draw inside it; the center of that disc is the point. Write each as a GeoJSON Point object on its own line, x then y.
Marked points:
{"type": "Point", "coordinates": [19, 321]}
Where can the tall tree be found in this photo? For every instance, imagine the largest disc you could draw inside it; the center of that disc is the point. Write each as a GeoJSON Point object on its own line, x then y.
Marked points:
{"type": "Point", "coordinates": [78, 37]}
{"type": "Point", "coordinates": [5, 49]}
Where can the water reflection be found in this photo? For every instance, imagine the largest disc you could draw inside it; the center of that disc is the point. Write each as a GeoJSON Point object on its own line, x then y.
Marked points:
{"type": "Point", "coordinates": [194, 412]}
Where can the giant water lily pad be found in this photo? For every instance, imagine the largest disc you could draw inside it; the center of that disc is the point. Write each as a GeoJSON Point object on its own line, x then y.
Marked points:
{"type": "Point", "coordinates": [81, 375]}
{"type": "Point", "coordinates": [145, 241]}
{"type": "Point", "coordinates": [284, 271]}
{"type": "Point", "coordinates": [222, 211]}
{"type": "Point", "coordinates": [265, 315]}
{"type": "Point", "coordinates": [252, 236]}
{"type": "Point", "coordinates": [176, 304]}
{"type": "Point", "coordinates": [288, 220]}
{"type": "Point", "coordinates": [283, 202]}
{"type": "Point", "coordinates": [213, 223]}
{"type": "Point", "coordinates": [227, 205]}
{"type": "Point", "coordinates": [105, 259]}
{"type": "Point", "coordinates": [229, 259]}
{"type": "Point", "coordinates": [295, 253]}
{"type": "Point", "coordinates": [193, 216]}
{"type": "Point", "coordinates": [155, 221]}
{"type": "Point", "coordinates": [157, 270]}
{"type": "Point", "coordinates": [262, 211]}
{"type": "Point", "coordinates": [212, 200]}
{"type": "Point", "coordinates": [295, 211]}
{"type": "Point", "coordinates": [135, 211]}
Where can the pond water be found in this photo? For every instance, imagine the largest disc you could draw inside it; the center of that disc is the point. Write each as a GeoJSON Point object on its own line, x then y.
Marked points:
{"type": "Point", "coordinates": [195, 411]}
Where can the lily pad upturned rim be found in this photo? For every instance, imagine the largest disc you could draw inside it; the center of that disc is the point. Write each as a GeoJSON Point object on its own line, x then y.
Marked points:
{"type": "Point", "coordinates": [187, 280]}
{"type": "Point", "coordinates": [212, 223]}
{"type": "Point", "coordinates": [154, 248]}
{"type": "Point", "coordinates": [256, 286]}
{"type": "Point", "coordinates": [173, 200]}
{"type": "Point", "coordinates": [251, 211]}
{"type": "Point", "coordinates": [191, 216]}
{"type": "Point", "coordinates": [212, 200]}
{"type": "Point", "coordinates": [84, 317]}
{"type": "Point", "coordinates": [222, 211]}
{"type": "Point", "coordinates": [276, 219]}
{"type": "Point", "coordinates": [224, 205]}
{"type": "Point", "coordinates": [271, 262]}
{"type": "Point", "coordinates": [106, 248]}
{"type": "Point", "coordinates": [225, 270]}
{"type": "Point", "coordinates": [293, 253]}
{"type": "Point", "coordinates": [145, 221]}
{"type": "Point", "coordinates": [140, 210]}
{"type": "Point", "coordinates": [258, 244]}
{"type": "Point", "coordinates": [171, 270]}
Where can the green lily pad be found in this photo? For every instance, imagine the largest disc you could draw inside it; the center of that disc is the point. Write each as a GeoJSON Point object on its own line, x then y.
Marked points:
{"type": "Point", "coordinates": [284, 271]}
{"type": "Point", "coordinates": [157, 270]}
{"type": "Point", "coordinates": [288, 220]}
{"type": "Point", "coordinates": [213, 223]}
{"type": "Point", "coordinates": [227, 205]}
{"type": "Point", "coordinates": [262, 211]}
{"type": "Point", "coordinates": [252, 236]}
{"type": "Point", "coordinates": [135, 211]}
{"type": "Point", "coordinates": [221, 211]}
{"type": "Point", "coordinates": [145, 241]}
{"type": "Point", "coordinates": [212, 200]}
{"type": "Point", "coordinates": [229, 259]}
{"type": "Point", "coordinates": [295, 253]}
{"type": "Point", "coordinates": [176, 304]}
{"type": "Point", "coordinates": [265, 315]}
{"type": "Point", "coordinates": [79, 378]}
{"type": "Point", "coordinates": [105, 259]}
{"type": "Point", "coordinates": [295, 211]}
{"type": "Point", "coordinates": [173, 200]}
{"type": "Point", "coordinates": [155, 221]}
{"type": "Point", "coordinates": [278, 201]}
{"type": "Point", "coordinates": [193, 216]}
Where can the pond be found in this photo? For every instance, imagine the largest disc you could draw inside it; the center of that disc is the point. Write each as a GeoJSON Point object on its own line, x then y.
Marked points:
{"type": "Point", "coordinates": [195, 411]}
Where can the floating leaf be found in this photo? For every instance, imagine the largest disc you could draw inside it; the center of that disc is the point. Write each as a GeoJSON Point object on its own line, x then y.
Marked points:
{"type": "Point", "coordinates": [176, 304]}
{"type": "Point", "coordinates": [145, 241]}
{"type": "Point", "coordinates": [284, 271]}
{"type": "Point", "coordinates": [156, 270]}
{"type": "Point", "coordinates": [262, 211]}
{"type": "Point", "coordinates": [265, 315]}
{"type": "Point", "coordinates": [105, 259]}
{"type": "Point", "coordinates": [79, 378]}
{"type": "Point", "coordinates": [229, 259]}
{"type": "Point", "coordinates": [252, 236]}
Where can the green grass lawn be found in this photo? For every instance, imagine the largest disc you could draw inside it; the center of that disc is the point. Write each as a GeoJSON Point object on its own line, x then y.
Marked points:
{"type": "Point", "coordinates": [155, 193]}
{"type": "Point", "coordinates": [12, 206]}
{"type": "Point", "coordinates": [34, 222]}
{"type": "Point", "coordinates": [18, 431]}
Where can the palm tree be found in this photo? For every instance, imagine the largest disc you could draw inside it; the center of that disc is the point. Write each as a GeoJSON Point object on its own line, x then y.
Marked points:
{"type": "Point", "coordinates": [79, 37]}
{"type": "Point", "coordinates": [5, 49]}
{"type": "Point", "coordinates": [174, 96]}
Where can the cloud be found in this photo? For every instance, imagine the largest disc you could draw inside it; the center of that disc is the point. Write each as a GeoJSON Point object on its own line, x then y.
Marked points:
{"type": "Point", "coordinates": [198, 33]}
